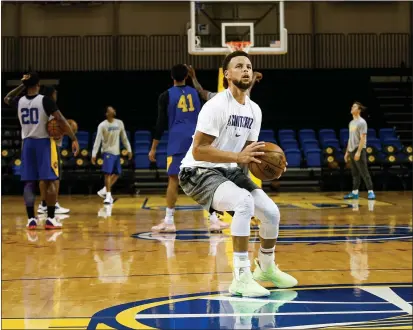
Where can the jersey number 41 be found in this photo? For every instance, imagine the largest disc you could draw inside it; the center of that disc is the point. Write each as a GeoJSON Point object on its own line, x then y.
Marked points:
{"type": "Point", "coordinates": [183, 104]}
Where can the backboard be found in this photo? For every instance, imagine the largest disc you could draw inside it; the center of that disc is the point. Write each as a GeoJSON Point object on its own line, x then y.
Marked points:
{"type": "Point", "coordinates": [213, 24]}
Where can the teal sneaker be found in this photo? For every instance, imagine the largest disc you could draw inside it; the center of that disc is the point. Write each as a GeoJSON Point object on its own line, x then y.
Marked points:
{"type": "Point", "coordinates": [247, 287]}
{"type": "Point", "coordinates": [371, 196]}
{"type": "Point", "coordinates": [275, 275]}
{"type": "Point", "coordinates": [351, 196]}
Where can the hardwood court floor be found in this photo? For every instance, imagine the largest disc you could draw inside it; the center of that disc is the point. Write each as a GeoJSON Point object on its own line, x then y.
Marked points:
{"type": "Point", "coordinates": [353, 263]}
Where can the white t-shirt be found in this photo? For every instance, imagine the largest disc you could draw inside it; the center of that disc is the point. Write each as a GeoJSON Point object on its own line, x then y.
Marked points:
{"type": "Point", "coordinates": [232, 124]}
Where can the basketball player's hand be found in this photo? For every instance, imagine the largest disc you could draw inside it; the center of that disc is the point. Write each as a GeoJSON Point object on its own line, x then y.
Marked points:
{"type": "Point", "coordinates": [151, 156]}
{"type": "Point", "coordinates": [26, 77]}
{"type": "Point", "coordinates": [258, 76]}
{"type": "Point", "coordinates": [191, 71]}
{"type": "Point", "coordinates": [94, 160]}
{"type": "Point", "coordinates": [346, 157]}
{"type": "Point", "coordinates": [251, 151]}
{"type": "Point", "coordinates": [75, 147]}
{"type": "Point", "coordinates": [357, 156]}
{"type": "Point", "coordinates": [129, 155]}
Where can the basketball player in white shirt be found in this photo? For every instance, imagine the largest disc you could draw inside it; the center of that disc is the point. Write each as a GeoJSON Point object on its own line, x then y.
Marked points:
{"type": "Point", "coordinates": [226, 135]}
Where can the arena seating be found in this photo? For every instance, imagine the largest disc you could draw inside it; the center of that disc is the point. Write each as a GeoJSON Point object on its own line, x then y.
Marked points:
{"type": "Point", "coordinates": [310, 150]}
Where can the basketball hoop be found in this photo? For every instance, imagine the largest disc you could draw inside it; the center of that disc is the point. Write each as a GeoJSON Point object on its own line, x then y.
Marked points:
{"type": "Point", "coordinates": [239, 45]}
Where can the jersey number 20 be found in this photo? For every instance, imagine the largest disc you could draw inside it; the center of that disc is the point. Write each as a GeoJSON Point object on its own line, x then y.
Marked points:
{"type": "Point", "coordinates": [183, 105]}
{"type": "Point", "coordinates": [30, 116]}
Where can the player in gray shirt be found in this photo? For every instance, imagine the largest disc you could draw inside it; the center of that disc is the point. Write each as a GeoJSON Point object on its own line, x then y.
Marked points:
{"type": "Point", "coordinates": [109, 132]}
{"type": "Point", "coordinates": [356, 153]}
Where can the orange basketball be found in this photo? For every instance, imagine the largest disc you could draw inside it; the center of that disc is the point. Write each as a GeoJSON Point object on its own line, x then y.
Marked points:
{"type": "Point", "coordinates": [73, 125]}
{"type": "Point", "coordinates": [54, 129]}
{"type": "Point", "coordinates": [272, 164]}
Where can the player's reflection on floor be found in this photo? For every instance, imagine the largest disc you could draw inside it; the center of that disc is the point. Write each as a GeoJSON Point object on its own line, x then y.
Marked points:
{"type": "Point", "coordinates": [105, 211]}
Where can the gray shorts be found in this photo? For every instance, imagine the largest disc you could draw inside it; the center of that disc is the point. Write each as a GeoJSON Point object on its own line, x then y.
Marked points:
{"type": "Point", "coordinates": [200, 183]}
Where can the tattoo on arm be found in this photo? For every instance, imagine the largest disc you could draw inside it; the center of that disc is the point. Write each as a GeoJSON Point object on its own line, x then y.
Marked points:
{"type": "Point", "coordinates": [197, 85]}
{"type": "Point", "coordinates": [12, 94]}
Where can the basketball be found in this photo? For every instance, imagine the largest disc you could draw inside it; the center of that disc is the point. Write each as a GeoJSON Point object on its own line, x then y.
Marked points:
{"type": "Point", "coordinates": [272, 163]}
{"type": "Point", "coordinates": [73, 125]}
{"type": "Point", "coordinates": [54, 129]}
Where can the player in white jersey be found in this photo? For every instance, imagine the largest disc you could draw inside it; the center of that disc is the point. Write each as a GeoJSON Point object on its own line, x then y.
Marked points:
{"type": "Point", "coordinates": [51, 92]}
{"type": "Point", "coordinates": [109, 132]}
{"type": "Point", "coordinates": [226, 135]}
{"type": "Point", "coordinates": [39, 152]}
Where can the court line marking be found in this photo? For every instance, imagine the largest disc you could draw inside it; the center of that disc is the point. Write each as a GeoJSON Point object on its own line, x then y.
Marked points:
{"type": "Point", "coordinates": [273, 289]}
{"type": "Point", "coordinates": [185, 274]}
{"type": "Point", "coordinates": [167, 316]}
{"type": "Point", "coordinates": [226, 298]}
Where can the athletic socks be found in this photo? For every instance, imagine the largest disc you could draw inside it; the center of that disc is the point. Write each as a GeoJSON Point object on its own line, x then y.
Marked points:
{"type": "Point", "coordinates": [355, 192]}
{"type": "Point", "coordinates": [241, 263]}
{"type": "Point", "coordinates": [169, 217]}
{"type": "Point", "coordinates": [266, 258]}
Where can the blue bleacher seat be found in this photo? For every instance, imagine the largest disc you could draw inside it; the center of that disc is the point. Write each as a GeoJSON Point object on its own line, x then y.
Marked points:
{"type": "Point", "coordinates": [284, 134]}
{"type": "Point", "coordinates": [130, 142]}
{"type": "Point", "coordinates": [325, 134]}
{"type": "Point", "coordinates": [374, 142]}
{"type": "Point", "coordinates": [16, 170]}
{"type": "Point", "coordinates": [266, 135]}
{"type": "Point", "coordinates": [161, 159]}
{"type": "Point", "coordinates": [306, 134]}
{"type": "Point", "coordinates": [393, 141]}
{"type": "Point", "coordinates": [331, 143]}
{"type": "Point", "coordinates": [344, 135]}
{"type": "Point", "coordinates": [93, 138]}
{"type": "Point", "coordinates": [293, 157]}
{"type": "Point", "coordinates": [313, 157]}
{"type": "Point", "coordinates": [83, 139]}
{"type": "Point", "coordinates": [142, 136]}
{"type": "Point", "coordinates": [339, 157]}
{"type": "Point", "coordinates": [162, 146]}
{"type": "Point", "coordinates": [65, 142]}
{"type": "Point", "coordinates": [371, 133]}
{"type": "Point", "coordinates": [386, 133]}
{"type": "Point", "coordinates": [310, 144]}
{"type": "Point", "coordinates": [141, 160]}
{"type": "Point", "coordinates": [270, 141]}
{"type": "Point", "coordinates": [289, 144]}
{"type": "Point", "coordinates": [142, 146]}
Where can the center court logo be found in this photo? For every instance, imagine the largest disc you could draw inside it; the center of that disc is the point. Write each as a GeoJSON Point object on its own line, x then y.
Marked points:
{"type": "Point", "coordinates": [303, 234]}
{"type": "Point", "coordinates": [313, 307]}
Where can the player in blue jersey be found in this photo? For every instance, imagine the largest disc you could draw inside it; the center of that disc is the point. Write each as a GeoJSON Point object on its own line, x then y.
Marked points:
{"type": "Point", "coordinates": [178, 109]}
{"type": "Point", "coordinates": [39, 151]}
